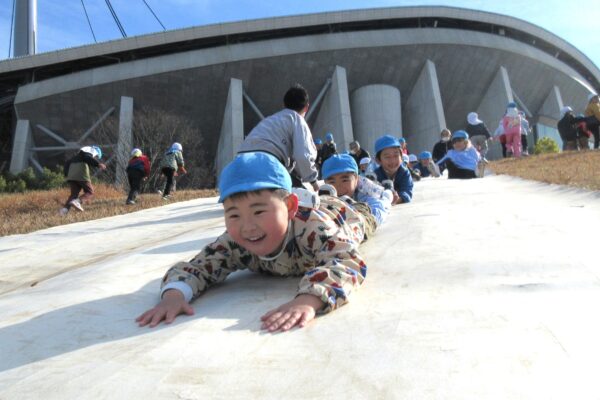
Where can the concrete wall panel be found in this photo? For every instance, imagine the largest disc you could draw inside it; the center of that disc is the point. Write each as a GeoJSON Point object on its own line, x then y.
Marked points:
{"type": "Point", "coordinates": [492, 107]}
{"type": "Point", "coordinates": [423, 111]}
{"type": "Point", "coordinates": [334, 115]}
{"type": "Point", "coordinates": [376, 111]}
{"type": "Point", "coordinates": [232, 128]}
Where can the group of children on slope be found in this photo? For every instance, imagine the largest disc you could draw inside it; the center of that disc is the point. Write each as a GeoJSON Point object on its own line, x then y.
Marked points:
{"type": "Point", "coordinates": [576, 131]}
{"type": "Point", "coordinates": [77, 172]}
{"type": "Point", "coordinates": [274, 224]}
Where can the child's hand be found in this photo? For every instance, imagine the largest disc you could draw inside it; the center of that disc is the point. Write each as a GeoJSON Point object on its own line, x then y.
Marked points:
{"type": "Point", "coordinates": [171, 305]}
{"type": "Point", "coordinates": [297, 312]}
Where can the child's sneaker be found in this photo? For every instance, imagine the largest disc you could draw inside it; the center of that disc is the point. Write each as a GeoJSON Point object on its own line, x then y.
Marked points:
{"type": "Point", "coordinates": [77, 204]}
{"type": "Point", "coordinates": [166, 197]}
{"type": "Point", "coordinates": [159, 192]}
{"type": "Point", "coordinates": [129, 202]}
{"type": "Point", "coordinates": [63, 211]}
{"type": "Point", "coordinates": [327, 190]}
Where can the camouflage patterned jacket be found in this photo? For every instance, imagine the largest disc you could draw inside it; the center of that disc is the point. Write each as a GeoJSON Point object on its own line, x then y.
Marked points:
{"type": "Point", "coordinates": [321, 245]}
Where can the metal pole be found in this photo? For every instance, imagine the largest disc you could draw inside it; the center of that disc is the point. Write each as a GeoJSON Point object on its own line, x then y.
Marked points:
{"type": "Point", "coordinates": [25, 37]}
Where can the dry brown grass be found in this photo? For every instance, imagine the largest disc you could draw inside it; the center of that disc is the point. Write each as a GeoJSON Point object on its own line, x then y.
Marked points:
{"type": "Point", "coordinates": [573, 168]}
{"type": "Point", "coordinates": [31, 211]}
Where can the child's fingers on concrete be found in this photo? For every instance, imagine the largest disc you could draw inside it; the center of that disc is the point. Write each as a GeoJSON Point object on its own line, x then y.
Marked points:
{"type": "Point", "coordinates": [145, 318]}
{"type": "Point", "coordinates": [158, 316]}
{"type": "Point", "coordinates": [305, 319]}
{"type": "Point", "coordinates": [268, 314]}
{"type": "Point", "coordinates": [285, 321]}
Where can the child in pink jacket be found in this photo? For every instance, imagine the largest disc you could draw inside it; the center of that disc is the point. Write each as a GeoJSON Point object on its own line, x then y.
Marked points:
{"type": "Point", "coordinates": [511, 123]}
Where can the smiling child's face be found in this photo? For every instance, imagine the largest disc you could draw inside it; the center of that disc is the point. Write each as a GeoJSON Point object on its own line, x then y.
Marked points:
{"type": "Point", "coordinates": [344, 183]}
{"type": "Point", "coordinates": [259, 221]}
{"type": "Point", "coordinates": [390, 160]}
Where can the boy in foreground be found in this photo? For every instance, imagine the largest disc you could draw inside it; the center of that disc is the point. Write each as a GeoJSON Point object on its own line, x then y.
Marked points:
{"type": "Point", "coordinates": [267, 232]}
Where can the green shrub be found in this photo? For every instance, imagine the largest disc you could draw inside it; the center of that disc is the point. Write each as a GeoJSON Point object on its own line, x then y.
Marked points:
{"type": "Point", "coordinates": [2, 184]}
{"type": "Point", "coordinates": [545, 146]}
{"type": "Point", "coordinates": [16, 185]}
{"type": "Point", "coordinates": [51, 179]}
{"type": "Point", "coordinates": [29, 177]}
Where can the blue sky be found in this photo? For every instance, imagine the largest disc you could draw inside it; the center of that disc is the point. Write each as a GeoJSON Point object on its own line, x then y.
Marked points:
{"type": "Point", "coordinates": [62, 23]}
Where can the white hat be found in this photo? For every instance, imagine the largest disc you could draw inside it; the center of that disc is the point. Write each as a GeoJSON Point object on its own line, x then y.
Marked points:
{"type": "Point", "coordinates": [365, 160]}
{"type": "Point", "coordinates": [412, 158]}
{"type": "Point", "coordinates": [591, 96]}
{"type": "Point", "coordinates": [565, 110]}
{"type": "Point", "coordinates": [405, 158]}
{"type": "Point", "coordinates": [473, 118]}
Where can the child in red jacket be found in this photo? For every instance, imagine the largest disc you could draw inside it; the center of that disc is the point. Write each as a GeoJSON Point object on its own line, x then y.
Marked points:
{"type": "Point", "coordinates": [138, 169]}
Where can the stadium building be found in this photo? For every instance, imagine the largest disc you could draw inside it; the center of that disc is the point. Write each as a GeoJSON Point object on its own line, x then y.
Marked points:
{"type": "Point", "coordinates": [405, 71]}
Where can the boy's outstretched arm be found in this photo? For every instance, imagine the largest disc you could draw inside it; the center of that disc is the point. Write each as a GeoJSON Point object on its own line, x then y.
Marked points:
{"type": "Point", "coordinates": [172, 304]}
{"type": "Point", "coordinates": [297, 312]}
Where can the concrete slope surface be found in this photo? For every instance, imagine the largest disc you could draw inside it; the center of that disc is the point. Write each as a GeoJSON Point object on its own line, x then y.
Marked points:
{"type": "Point", "coordinates": [481, 289]}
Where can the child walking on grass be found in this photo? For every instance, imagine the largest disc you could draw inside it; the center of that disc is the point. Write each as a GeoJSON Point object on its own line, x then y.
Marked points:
{"type": "Point", "coordinates": [138, 169]}
{"type": "Point", "coordinates": [77, 172]}
{"type": "Point", "coordinates": [172, 164]}
{"type": "Point", "coordinates": [265, 231]}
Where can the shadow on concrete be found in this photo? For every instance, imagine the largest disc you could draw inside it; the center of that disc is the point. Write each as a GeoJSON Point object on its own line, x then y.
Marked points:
{"type": "Point", "coordinates": [243, 298]}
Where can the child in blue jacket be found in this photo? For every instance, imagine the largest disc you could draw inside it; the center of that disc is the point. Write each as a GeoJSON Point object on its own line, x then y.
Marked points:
{"type": "Point", "coordinates": [463, 160]}
{"type": "Point", "coordinates": [389, 157]}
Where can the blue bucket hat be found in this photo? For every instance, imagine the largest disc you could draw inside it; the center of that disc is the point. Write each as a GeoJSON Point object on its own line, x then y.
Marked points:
{"type": "Point", "coordinates": [318, 141]}
{"type": "Point", "coordinates": [384, 142]}
{"type": "Point", "coordinates": [424, 154]}
{"type": "Point", "coordinates": [460, 135]}
{"type": "Point", "coordinates": [253, 171]}
{"type": "Point", "coordinates": [401, 140]}
{"type": "Point", "coordinates": [337, 164]}
{"type": "Point", "coordinates": [329, 137]}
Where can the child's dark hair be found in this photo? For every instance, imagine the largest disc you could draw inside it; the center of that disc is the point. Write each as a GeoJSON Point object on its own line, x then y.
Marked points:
{"type": "Point", "coordinates": [279, 193]}
{"type": "Point", "coordinates": [296, 98]}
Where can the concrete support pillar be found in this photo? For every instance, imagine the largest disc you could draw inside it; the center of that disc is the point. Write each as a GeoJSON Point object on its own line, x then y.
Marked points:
{"type": "Point", "coordinates": [376, 111]}
{"type": "Point", "coordinates": [552, 104]}
{"type": "Point", "coordinates": [232, 128]}
{"type": "Point", "coordinates": [334, 115]}
{"type": "Point", "coordinates": [25, 28]}
{"type": "Point", "coordinates": [125, 140]}
{"type": "Point", "coordinates": [493, 105]}
{"type": "Point", "coordinates": [423, 111]}
{"type": "Point", "coordinates": [22, 144]}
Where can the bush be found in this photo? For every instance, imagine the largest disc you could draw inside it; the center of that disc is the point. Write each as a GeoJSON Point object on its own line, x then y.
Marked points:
{"type": "Point", "coordinates": [28, 180]}
{"type": "Point", "coordinates": [28, 176]}
{"type": "Point", "coordinates": [17, 185]}
{"type": "Point", "coordinates": [51, 179]}
{"type": "Point", "coordinates": [546, 146]}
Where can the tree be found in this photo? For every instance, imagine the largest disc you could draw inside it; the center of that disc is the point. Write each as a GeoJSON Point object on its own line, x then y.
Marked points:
{"type": "Point", "coordinates": [153, 132]}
